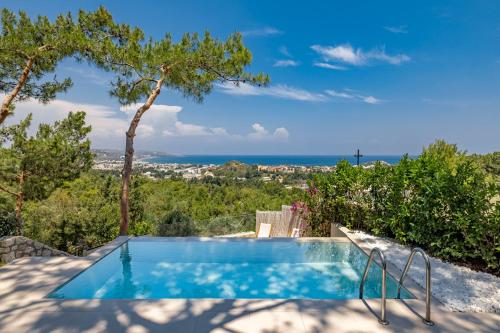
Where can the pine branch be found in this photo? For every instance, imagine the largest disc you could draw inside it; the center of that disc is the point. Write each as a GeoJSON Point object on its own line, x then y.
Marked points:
{"type": "Point", "coordinates": [7, 191]}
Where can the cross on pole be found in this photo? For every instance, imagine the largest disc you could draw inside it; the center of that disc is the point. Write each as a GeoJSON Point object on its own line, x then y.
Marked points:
{"type": "Point", "coordinates": [358, 155]}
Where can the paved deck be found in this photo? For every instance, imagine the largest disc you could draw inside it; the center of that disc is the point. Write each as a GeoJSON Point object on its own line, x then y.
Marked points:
{"type": "Point", "coordinates": [24, 308]}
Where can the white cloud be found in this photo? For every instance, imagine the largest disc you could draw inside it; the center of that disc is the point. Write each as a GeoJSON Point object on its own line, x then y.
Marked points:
{"type": "Point", "coordinates": [281, 133]}
{"type": "Point", "coordinates": [103, 118]}
{"type": "Point", "coordinates": [346, 54]}
{"type": "Point", "coordinates": [219, 131]}
{"type": "Point", "coordinates": [145, 130]}
{"type": "Point", "coordinates": [371, 100]}
{"type": "Point", "coordinates": [132, 108]}
{"type": "Point", "coordinates": [266, 31]}
{"type": "Point", "coordinates": [330, 66]}
{"type": "Point", "coordinates": [341, 53]}
{"type": "Point", "coordinates": [352, 95]}
{"type": "Point", "coordinates": [284, 51]}
{"type": "Point", "coordinates": [258, 133]}
{"type": "Point", "coordinates": [158, 119]}
{"type": "Point", "coordinates": [286, 63]}
{"type": "Point", "coordinates": [261, 133]}
{"type": "Point", "coordinates": [279, 91]}
{"type": "Point", "coordinates": [383, 57]}
{"type": "Point", "coordinates": [109, 124]}
{"type": "Point", "coordinates": [335, 93]}
{"type": "Point", "coordinates": [402, 29]}
{"type": "Point", "coordinates": [167, 133]}
{"type": "Point", "coordinates": [282, 91]}
{"type": "Point", "coordinates": [183, 129]}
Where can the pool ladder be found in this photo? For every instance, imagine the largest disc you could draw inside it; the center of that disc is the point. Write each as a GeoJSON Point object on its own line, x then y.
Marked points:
{"type": "Point", "coordinates": [382, 319]}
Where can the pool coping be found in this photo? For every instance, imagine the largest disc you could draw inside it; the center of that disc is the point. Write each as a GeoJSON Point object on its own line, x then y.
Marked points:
{"type": "Point", "coordinates": [97, 255]}
{"type": "Point", "coordinates": [100, 252]}
{"type": "Point", "coordinates": [242, 239]}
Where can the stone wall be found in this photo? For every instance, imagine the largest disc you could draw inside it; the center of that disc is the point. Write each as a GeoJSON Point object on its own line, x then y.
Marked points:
{"type": "Point", "coordinates": [13, 247]}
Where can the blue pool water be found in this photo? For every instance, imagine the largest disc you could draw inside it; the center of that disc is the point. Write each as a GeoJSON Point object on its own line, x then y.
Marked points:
{"type": "Point", "coordinates": [220, 268]}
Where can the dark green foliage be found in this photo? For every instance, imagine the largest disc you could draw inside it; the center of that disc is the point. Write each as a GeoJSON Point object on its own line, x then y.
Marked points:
{"type": "Point", "coordinates": [225, 225]}
{"type": "Point", "coordinates": [190, 66]}
{"type": "Point", "coordinates": [8, 223]}
{"type": "Point", "coordinates": [56, 153]}
{"type": "Point", "coordinates": [81, 215]}
{"type": "Point", "coordinates": [205, 201]}
{"type": "Point", "coordinates": [335, 197]}
{"type": "Point", "coordinates": [47, 43]}
{"type": "Point", "coordinates": [84, 213]}
{"type": "Point", "coordinates": [176, 224]}
{"type": "Point", "coordinates": [490, 163]}
{"type": "Point", "coordinates": [137, 212]}
{"type": "Point", "coordinates": [443, 201]}
{"type": "Point", "coordinates": [32, 167]}
{"type": "Point", "coordinates": [30, 50]}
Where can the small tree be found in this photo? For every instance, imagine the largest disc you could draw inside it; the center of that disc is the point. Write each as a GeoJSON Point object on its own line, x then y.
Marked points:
{"type": "Point", "coordinates": [191, 66]}
{"type": "Point", "coordinates": [32, 167]}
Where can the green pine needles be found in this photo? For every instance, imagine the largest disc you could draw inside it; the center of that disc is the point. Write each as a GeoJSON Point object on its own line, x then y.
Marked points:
{"type": "Point", "coordinates": [31, 49]}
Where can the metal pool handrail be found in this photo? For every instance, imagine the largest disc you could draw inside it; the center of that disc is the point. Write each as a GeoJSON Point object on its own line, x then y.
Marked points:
{"type": "Point", "coordinates": [382, 319]}
{"type": "Point", "coordinates": [427, 320]}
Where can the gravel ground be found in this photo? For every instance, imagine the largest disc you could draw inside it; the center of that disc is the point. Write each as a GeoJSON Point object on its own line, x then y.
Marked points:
{"type": "Point", "coordinates": [458, 288]}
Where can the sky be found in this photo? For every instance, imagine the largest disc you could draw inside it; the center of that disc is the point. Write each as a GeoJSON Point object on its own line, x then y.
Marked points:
{"type": "Point", "coordinates": [385, 77]}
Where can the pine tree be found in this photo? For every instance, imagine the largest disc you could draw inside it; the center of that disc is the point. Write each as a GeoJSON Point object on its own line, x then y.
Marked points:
{"type": "Point", "coordinates": [30, 51]}
{"type": "Point", "coordinates": [191, 66]}
{"type": "Point", "coordinates": [32, 167]}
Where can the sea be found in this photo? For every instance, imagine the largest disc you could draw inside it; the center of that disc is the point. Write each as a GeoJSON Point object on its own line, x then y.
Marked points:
{"type": "Point", "coordinates": [302, 160]}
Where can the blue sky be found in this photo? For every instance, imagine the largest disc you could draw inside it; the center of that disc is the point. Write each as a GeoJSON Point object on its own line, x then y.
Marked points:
{"type": "Point", "coordinates": [387, 77]}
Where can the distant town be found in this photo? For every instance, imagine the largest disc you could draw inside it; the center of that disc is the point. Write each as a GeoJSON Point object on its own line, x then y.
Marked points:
{"type": "Point", "coordinates": [289, 175]}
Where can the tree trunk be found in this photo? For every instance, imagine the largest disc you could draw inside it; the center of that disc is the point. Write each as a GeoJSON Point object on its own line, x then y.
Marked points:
{"type": "Point", "coordinates": [19, 203]}
{"type": "Point", "coordinates": [129, 156]}
{"type": "Point", "coordinates": [7, 101]}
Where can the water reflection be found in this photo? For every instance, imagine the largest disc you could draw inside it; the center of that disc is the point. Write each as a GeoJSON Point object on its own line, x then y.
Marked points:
{"type": "Point", "coordinates": [127, 282]}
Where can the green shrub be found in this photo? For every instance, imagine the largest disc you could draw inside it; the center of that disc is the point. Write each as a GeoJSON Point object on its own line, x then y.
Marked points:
{"type": "Point", "coordinates": [8, 223]}
{"type": "Point", "coordinates": [80, 216]}
{"type": "Point", "coordinates": [224, 225]}
{"type": "Point", "coordinates": [443, 201]}
{"type": "Point", "coordinates": [338, 197]}
{"type": "Point", "coordinates": [176, 224]}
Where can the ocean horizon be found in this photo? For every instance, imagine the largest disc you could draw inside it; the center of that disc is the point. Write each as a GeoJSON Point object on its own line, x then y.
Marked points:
{"type": "Point", "coordinates": [302, 160]}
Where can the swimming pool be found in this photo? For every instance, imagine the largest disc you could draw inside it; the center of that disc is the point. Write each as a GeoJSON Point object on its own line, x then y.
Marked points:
{"type": "Point", "coordinates": [155, 268]}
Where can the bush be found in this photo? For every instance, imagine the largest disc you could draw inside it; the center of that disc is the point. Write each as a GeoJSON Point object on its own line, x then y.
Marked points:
{"type": "Point", "coordinates": [338, 197]}
{"type": "Point", "coordinates": [8, 223]}
{"type": "Point", "coordinates": [81, 216]}
{"type": "Point", "coordinates": [224, 225]}
{"type": "Point", "coordinates": [442, 201]}
{"type": "Point", "coordinates": [176, 224]}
